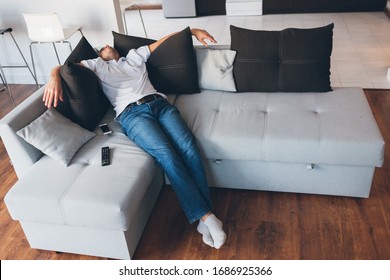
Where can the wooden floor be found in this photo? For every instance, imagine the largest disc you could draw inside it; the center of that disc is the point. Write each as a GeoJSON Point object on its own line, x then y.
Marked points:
{"type": "Point", "coordinates": [260, 225]}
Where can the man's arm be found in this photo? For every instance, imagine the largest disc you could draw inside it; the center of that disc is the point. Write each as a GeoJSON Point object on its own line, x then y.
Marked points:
{"type": "Point", "coordinates": [53, 88]}
{"type": "Point", "coordinates": [200, 34]}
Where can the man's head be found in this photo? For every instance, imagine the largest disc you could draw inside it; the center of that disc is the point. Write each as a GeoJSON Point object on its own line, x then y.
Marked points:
{"type": "Point", "coordinates": [108, 53]}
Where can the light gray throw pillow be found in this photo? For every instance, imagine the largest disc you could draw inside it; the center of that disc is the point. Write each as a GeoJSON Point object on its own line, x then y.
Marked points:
{"type": "Point", "coordinates": [215, 69]}
{"type": "Point", "coordinates": [56, 136]}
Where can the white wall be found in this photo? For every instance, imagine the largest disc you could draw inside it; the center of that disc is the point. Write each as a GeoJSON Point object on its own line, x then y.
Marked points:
{"type": "Point", "coordinates": [97, 17]}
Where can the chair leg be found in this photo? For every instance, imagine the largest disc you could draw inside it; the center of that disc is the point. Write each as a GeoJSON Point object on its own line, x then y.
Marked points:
{"type": "Point", "coordinates": [124, 21]}
{"type": "Point", "coordinates": [142, 21]}
{"type": "Point", "coordinates": [58, 58]}
{"type": "Point", "coordinates": [32, 60]}
{"type": "Point", "coordinates": [69, 44]}
{"type": "Point", "coordinates": [25, 61]}
{"type": "Point", "coordinates": [4, 80]}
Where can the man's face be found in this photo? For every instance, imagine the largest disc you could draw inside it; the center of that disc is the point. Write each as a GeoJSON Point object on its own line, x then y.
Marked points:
{"type": "Point", "coordinates": [108, 53]}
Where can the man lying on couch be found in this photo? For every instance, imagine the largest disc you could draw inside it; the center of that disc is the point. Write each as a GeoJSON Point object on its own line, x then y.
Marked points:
{"type": "Point", "coordinates": [155, 126]}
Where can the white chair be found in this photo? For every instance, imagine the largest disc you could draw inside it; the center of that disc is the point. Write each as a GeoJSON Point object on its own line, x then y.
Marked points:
{"type": "Point", "coordinates": [131, 4]}
{"type": "Point", "coordinates": [47, 28]}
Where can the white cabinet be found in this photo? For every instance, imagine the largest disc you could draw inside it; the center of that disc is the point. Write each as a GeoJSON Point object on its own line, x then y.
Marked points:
{"type": "Point", "coordinates": [179, 8]}
{"type": "Point", "coordinates": [244, 7]}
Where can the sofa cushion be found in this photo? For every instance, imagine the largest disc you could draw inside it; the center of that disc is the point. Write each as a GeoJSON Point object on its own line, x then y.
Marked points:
{"type": "Point", "coordinates": [336, 128]}
{"type": "Point", "coordinates": [172, 66]}
{"type": "Point", "coordinates": [215, 69]}
{"type": "Point", "coordinates": [56, 136]}
{"type": "Point", "coordinates": [85, 193]}
{"type": "Point", "coordinates": [291, 60]}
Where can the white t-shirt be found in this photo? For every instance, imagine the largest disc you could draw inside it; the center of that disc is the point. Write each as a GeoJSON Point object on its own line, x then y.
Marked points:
{"type": "Point", "coordinates": [125, 81]}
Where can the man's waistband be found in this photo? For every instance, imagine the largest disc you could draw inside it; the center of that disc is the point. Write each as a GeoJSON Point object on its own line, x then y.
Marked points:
{"type": "Point", "coordinates": [143, 100]}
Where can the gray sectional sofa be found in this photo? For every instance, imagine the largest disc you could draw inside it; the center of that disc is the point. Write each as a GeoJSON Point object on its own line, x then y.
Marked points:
{"type": "Point", "coordinates": [324, 143]}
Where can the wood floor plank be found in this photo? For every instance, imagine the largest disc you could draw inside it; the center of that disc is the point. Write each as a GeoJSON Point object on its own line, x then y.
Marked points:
{"type": "Point", "coordinates": [260, 225]}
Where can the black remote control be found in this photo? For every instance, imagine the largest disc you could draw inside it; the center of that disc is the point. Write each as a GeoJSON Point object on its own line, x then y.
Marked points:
{"type": "Point", "coordinates": [105, 156]}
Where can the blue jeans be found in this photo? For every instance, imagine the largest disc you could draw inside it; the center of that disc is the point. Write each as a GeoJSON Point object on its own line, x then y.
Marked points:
{"type": "Point", "coordinates": [158, 129]}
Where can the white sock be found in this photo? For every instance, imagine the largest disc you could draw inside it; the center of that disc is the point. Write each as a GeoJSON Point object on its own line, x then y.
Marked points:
{"type": "Point", "coordinates": [206, 236]}
{"type": "Point", "coordinates": [214, 226]}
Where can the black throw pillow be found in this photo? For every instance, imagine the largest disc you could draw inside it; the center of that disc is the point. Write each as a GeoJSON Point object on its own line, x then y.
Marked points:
{"type": "Point", "coordinates": [82, 51]}
{"type": "Point", "coordinates": [291, 60]}
{"type": "Point", "coordinates": [124, 43]}
{"type": "Point", "coordinates": [172, 66]}
{"type": "Point", "coordinates": [84, 100]}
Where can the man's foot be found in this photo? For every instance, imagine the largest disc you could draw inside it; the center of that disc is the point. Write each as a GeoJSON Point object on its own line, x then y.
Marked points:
{"type": "Point", "coordinates": [214, 226]}
{"type": "Point", "coordinates": [206, 236]}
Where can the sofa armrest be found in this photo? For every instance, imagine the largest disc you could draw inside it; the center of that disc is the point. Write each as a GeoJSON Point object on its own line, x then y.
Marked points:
{"type": "Point", "coordinates": [22, 154]}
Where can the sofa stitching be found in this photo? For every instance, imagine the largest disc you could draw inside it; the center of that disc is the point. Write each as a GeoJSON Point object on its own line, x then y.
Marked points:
{"type": "Point", "coordinates": [214, 124]}
{"type": "Point", "coordinates": [72, 182]}
{"type": "Point", "coordinates": [265, 130]}
{"type": "Point", "coordinates": [320, 128]}
{"type": "Point", "coordinates": [66, 192]}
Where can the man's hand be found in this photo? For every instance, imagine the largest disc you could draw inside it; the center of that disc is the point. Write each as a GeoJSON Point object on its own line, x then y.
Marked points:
{"type": "Point", "coordinates": [53, 89]}
{"type": "Point", "coordinates": [202, 35]}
